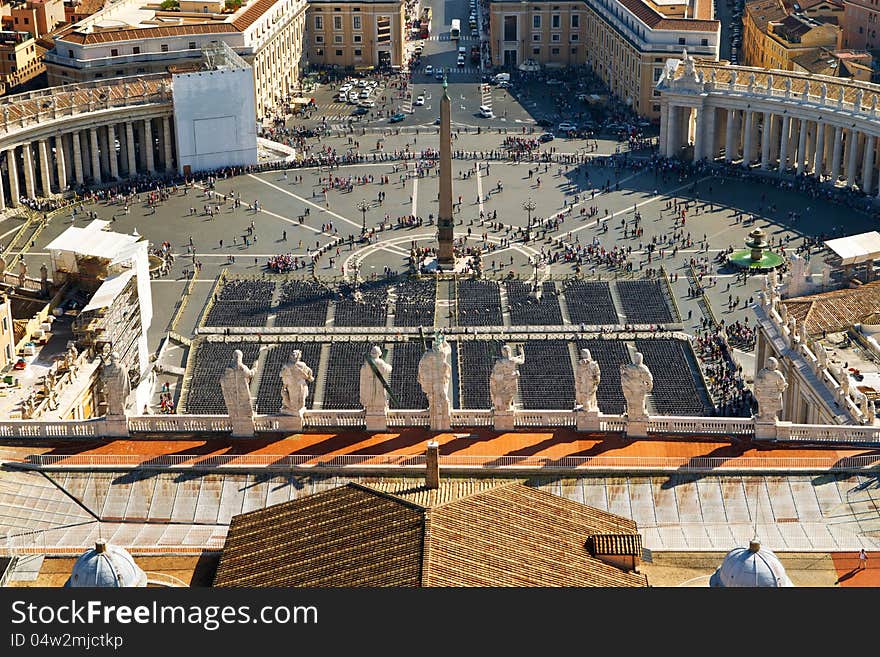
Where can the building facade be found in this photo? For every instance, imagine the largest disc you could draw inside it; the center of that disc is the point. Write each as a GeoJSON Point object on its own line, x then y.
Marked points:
{"type": "Point", "coordinates": [861, 24]}
{"type": "Point", "coordinates": [773, 36]}
{"type": "Point", "coordinates": [126, 38]}
{"type": "Point", "coordinates": [356, 34]}
{"type": "Point", "coordinates": [626, 42]}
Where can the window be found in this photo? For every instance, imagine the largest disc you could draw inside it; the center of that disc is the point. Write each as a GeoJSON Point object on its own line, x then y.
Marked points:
{"type": "Point", "coordinates": [319, 38]}
{"type": "Point", "coordinates": [574, 51]}
{"type": "Point", "coordinates": [357, 52]}
{"type": "Point", "coordinates": [339, 52]}
{"type": "Point", "coordinates": [337, 22]}
{"type": "Point", "coordinates": [657, 73]}
{"type": "Point", "coordinates": [319, 22]}
{"type": "Point", "coordinates": [655, 107]}
{"type": "Point", "coordinates": [574, 37]}
{"type": "Point", "coordinates": [575, 21]}
{"type": "Point", "coordinates": [5, 328]}
{"type": "Point", "coordinates": [164, 47]}
{"type": "Point", "coordinates": [26, 21]}
{"type": "Point", "coordinates": [536, 37]}
{"type": "Point", "coordinates": [554, 37]}
{"type": "Point", "coordinates": [554, 21]}
{"type": "Point", "coordinates": [536, 22]}
{"type": "Point", "coordinates": [136, 50]}
{"type": "Point", "coordinates": [554, 51]}
{"type": "Point", "coordinates": [337, 38]}
{"type": "Point", "coordinates": [656, 94]}
{"type": "Point", "coordinates": [319, 52]}
{"type": "Point", "coordinates": [536, 51]}
{"type": "Point", "coordinates": [192, 45]}
{"type": "Point", "coordinates": [70, 53]}
{"type": "Point", "coordinates": [704, 42]}
{"type": "Point", "coordinates": [681, 42]}
{"type": "Point", "coordinates": [356, 22]}
{"type": "Point", "coordinates": [510, 28]}
{"type": "Point", "coordinates": [142, 70]}
{"type": "Point", "coordinates": [114, 52]}
{"type": "Point", "coordinates": [119, 72]}
{"type": "Point", "coordinates": [358, 38]}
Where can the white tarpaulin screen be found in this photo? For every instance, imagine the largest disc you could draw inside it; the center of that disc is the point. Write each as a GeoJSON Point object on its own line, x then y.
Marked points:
{"type": "Point", "coordinates": [856, 248]}
{"type": "Point", "coordinates": [109, 290]}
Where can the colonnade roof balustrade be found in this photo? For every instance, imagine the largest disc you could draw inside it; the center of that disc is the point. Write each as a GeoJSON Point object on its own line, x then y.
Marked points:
{"type": "Point", "coordinates": [28, 109]}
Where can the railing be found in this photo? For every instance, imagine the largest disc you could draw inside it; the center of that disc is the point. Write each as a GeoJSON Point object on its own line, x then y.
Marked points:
{"type": "Point", "coordinates": [544, 419]}
{"type": "Point", "coordinates": [328, 418]}
{"type": "Point", "coordinates": [400, 418]}
{"type": "Point", "coordinates": [612, 423]}
{"type": "Point", "coordinates": [51, 429]}
{"type": "Point", "coordinates": [417, 461]}
{"type": "Point", "coordinates": [843, 433]}
{"type": "Point", "coordinates": [471, 418]}
{"type": "Point", "coordinates": [179, 423]}
{"type": "Point", "coordinates": [740, 426]}
{"type": "Point", "coordinates": [266, 423]}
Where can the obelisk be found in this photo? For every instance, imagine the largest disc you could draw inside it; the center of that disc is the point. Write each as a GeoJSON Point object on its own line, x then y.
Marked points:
{"type": "Point", "coordinates": [445, 256]}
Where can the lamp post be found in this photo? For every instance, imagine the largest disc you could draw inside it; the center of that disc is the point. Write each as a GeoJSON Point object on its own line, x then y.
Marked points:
{"type": "Point", "coordinates": [362, 205]}
{"type": "Point", "coordinates": [529, 206]}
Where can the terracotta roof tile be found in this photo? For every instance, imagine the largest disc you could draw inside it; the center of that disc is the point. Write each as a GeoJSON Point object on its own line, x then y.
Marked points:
{"type": "Point", "coordinates": [657, 21]}
{"type": "Point", "coordinates": [835, 310]}
{"type": "Point", "coordinates": [616, 544]}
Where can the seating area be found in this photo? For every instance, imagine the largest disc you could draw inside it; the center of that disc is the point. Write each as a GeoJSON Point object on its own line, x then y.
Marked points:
{"type": "Point", "coordinates": [675, 389]}
{"type": "Point", "coordinates": [610, 354]}
{"type": "Point", "coordinates": [342, 384]}
{"type": "Point", "coordinates": [241, 303]}
{"type": "Point", "coordinates": [476, 358]}
{"type": "Point", "coordinates": [546, 378]}
{"type": "Point", "coordinates": [366, 305]}
{"type": "Point", "coordinates": [644, 302]}
{"type": "Point", "coordinates": [415, 303]}
{"type": "Point", "coordinates": [302, 303]}
{"type": "Point", "coordinates": [525, 310]}
{"type": "Point", "coordinates": [211, 359]}
{"type": "Point", "coordinates": [590, 302]}
{"type": "Point", "coordinates": [479, 303]}
{"type": "Point", "coordinates": [404, 382]}
{"type": "Point", "coordinates": [269, 394]}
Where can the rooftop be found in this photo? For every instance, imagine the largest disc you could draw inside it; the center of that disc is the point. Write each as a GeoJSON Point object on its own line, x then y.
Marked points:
{"type": "Point", "coordinates": [835, 310]}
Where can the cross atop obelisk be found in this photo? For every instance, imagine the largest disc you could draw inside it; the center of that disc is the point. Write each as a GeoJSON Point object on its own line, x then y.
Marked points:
{"type": "Point", "coordinates": [445, 256]}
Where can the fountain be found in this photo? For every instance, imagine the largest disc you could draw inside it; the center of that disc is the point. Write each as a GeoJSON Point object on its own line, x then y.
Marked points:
{"type": "Point", "coordinates": [756, 257]}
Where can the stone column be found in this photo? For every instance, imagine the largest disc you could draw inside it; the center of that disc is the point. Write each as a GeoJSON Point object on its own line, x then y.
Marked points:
{"type": "Point", "coordinates": [728, 142]}
{"type": "Point", "coordinates": [672, 132]}
{"type": "Point", "coordinates": [708, 133]}
{"type": "Point", "coordinates": [829, 146]}
{"type": "Point", "coordinates": [103, 151]}
{"type": "Point", "coordinates": [45, 175]}
{"type": "Point", "coordinates": [148, 145]}
{"type": "Point", "coordinates": [664, 126]}
{"type": "Point", "coordinates": [29, 174]}
{"type": "Point", "coordinates": [111, 151]}
{"type": "Point", "coordinates": [765, 141]}
{"type": "Point", "coordinates": [783, 143]}
{"type": "Point", "coordinates": [835, 155]}
{"type": "Point", "coordinates": [820, 150]}
{"type": "Point", "coordinates": [166, 143]}
{"type": "Point", "coordinates": [12, 166]}
{"type": "Point", "coordinates": [96, 163]}
{"type": "Point", "coordinates": [802, 145]}
{"type": "Point", "coordinates": [60, 162]}
{"type": "Point", "coordinates": [747, 131]}
{"type": "Point", "coordinates": [77, 159]}
{"type": "Point", "coordinates": [129, 149]}
{"type": "Point", "coordinates": [852, 147]}
{"type": "Point", "coordinates": [699, 127]}
{"type": "Point", "coordinates": [868, 164]}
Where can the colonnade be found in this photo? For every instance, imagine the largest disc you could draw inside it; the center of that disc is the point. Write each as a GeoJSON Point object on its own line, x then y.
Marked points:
{"type": "Point", "coordinates": [833, 138]}
{"type": "Point", "coordinates": [89, 155]}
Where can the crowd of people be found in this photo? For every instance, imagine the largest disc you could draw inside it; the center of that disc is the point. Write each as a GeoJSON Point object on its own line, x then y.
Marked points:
{"type": "Point", "coordinates": [723, 376]}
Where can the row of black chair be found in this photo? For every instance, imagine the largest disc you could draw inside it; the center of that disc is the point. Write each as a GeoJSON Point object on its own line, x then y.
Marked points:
{"type": "Point", "coordinates": [405, 357]}
{"type": "Point", "coordinates": [211, 359]}
{"type": "Point", "coordinates": [526, 310]}
{"type": "Point", "coordinates": [590, 302]}
{"type": "Point", "coordinates": [366, 305]}
{"type": "Point", "coordinates": [269, 394]}
{"type": "Point", "coordinates": [476, 359]}
{"type": "Point", "coordinates": [415, 303]}
{"type": "Point", "coordinates": [546, 378]}
{"type": "Point", "coordinates": [303, 303]}
{"type": "Point", "coordinates": [610, 354]}
{"type": "Point", "coordinates": [644, 302]}
{"type": "Point", "coordinates": [675, 389]}
{"type": "Point", "coordinates": [479, 303]}
{"type": "Point", "coordinates": [342, 385]}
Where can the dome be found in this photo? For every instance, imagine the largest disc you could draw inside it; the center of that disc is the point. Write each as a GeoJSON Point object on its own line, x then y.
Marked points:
{"type": "Point", "coordinates": [106, 566]}
{"type": "Point", "coordinates": [750, 567]}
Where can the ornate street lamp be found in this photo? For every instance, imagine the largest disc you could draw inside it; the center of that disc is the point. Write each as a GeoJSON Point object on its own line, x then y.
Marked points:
{"type": "Point", "coordinates": [529, 206]}
{"type": "Point", "coordinates": [363, 206]}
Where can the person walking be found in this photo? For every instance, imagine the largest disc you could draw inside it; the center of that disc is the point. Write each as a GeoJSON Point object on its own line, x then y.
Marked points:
{"type": "Point", "coordinates": [863, 559]}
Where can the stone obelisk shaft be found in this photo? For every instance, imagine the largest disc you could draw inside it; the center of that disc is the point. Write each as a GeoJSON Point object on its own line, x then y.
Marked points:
{"type": "Point", "coordinates": [445, 257]}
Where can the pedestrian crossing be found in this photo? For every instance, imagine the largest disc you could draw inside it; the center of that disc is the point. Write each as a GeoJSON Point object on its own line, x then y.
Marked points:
{"type": "Point", "coordinates": [445, 37]}
{"type": "Point", "coordinates": [461, 70]}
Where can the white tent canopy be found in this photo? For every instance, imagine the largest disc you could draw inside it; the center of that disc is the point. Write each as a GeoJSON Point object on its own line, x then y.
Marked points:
{"type": "Point", "coordinates": [92, 240]}
{"type": "Point", "coordinates": [109, 290]}
{"type": "Point", "coordinates": [856, 249]}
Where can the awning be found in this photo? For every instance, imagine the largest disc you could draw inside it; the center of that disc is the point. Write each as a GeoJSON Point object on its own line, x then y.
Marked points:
{"type": "Point", "coordinates": [856, 249]}
{"type": "Point", "coordinates": [109, 290]}
{"type": "Point", "coordinates": [92, 240]}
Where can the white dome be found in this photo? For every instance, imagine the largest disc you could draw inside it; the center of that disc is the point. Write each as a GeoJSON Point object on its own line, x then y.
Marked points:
{"type": "Point", "coordinates": [106, 566]}
{"type": "Point", "coordinates": [753, 566]}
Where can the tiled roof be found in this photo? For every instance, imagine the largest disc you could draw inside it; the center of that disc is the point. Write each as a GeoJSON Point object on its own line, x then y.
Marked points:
{"type": "Point", "coordinates": [616, 544]}
{"type": "Point", "coordinates": [136, 34]}
{"type": "Point", "coordinates": [657, 21]}
{"type": "Point", "coordinates": [835, 310]}
{"type": "Point", "coordinates": [467, 533]}
{"type": "Point", "coordinates": [763, 12]}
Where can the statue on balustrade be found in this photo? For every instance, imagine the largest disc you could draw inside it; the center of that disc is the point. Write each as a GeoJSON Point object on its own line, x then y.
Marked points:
{"type": "Point", "coordinates": [295, 379]}
{"type": "Point", "coordinates": [637, 381]}
{"type": "Point", "coordinates": [770, 383]}
{"type": "Point", "coordinates": [235, 386]}
{"type": "Point", "coordinates": [504, 377]}
{"type": "Point", "coordinates": [434, 375]}
{"type": "Point", "coordinates": [586, 382]}
{"type": "Point", "coordinates": [374, 376]}
{"type": "Point", "coordinates": [115, 385]}
{"type": "Point", "coordinates": [22, 272]}
{"type": "Point", "coordinates": [821, 355]}
{"type": "Point", "coordinates": [70, 355]}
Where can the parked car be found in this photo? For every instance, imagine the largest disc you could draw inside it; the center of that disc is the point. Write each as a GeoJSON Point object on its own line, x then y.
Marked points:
{"type": "Point", "coordinates": [547, 136]}
{"type": "Point", "coordinates": [20, 364]}
{"type": "Point", "coordinates": [397, 118]}
{"type": "Point", "coordinates": [438, 74]}
{"type": "Point", "coordinates": [360, 110]}
{"type": "Point", "coordinates": [460, 60]}
{"type": "Point", "coordinates": [429, 70]}
{"type": "Point", "coordinates": [369, 102]}
{"type": "Point", "coordinates": [420, 100]}
{"type": "Point", "coordinates": [486, 112]}
{"type": "Point", "coordinates": [567, 126]}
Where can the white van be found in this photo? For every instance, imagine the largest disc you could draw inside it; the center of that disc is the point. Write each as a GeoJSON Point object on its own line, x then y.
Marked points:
{"type": "Point", "coordinates": [501, 77]}
{"type": "Point", "coordinates": [486, 112]}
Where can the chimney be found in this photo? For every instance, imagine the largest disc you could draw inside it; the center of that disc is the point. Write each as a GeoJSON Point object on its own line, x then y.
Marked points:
{"type": "Point", "coordinates": [432, 462]}
{"type": "Point", "coordinates": [754, 545]}
{"type": "Point", "coordinates": [100, 546]}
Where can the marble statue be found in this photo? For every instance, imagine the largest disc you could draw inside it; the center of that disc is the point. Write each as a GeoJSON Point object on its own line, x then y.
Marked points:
{"type": "Point", "coordinates": [374, 376]}
{"type": "Point", "coordinates": [783, 312]}
{"type": "Point", "coordinates": [2, 264]}
{"type": "Point", "coordinates": [586, 382]}
{"type": "Point", "coordinates": [861, 400]}
{"type": "Point", "coordinates": [802, 332]}
{"type": "Point", "coordinates": [637, 381]}
{"type": "Point", "coordinates": [295, 378]}
{"type": "Point", "coordinates": [821, 355]}
{"type": "Point", "coordinates": [70, 355]}
{"type": "Point", "coordinates": [22, 272]}
{"type": "Point", "coordinates": [772, 279]}
{"type": "Point", "coordinates": [116, 386]}
{"type": "Point", "coordinates": [690, 70]}
{"type": "Point", "coordinates": [769, 386]}
{"type": "Point", "coordinates": [792, 327]}
{"type": "Point", "coordinates": [434, 376]}
{"type": "Point", "coordinates": [504, 377]}
{"type": "Point", "coordinates": [235, 386]}
{"type": "Point", "coordinates": [870, 412]}
{"type": "Point", "coordinates": [44, 279]}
